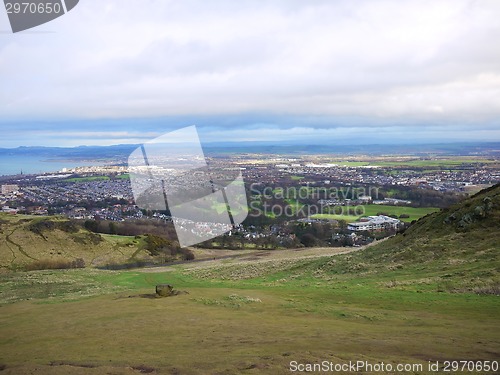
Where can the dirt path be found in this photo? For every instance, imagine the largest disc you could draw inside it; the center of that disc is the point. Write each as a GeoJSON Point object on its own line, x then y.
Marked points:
{"type": "Point", "coordinates": [265, 255]}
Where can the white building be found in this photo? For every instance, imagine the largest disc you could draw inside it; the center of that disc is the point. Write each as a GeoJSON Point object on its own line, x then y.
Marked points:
{"type": "Point", "coordinates": [8, 189]}
{"type": "Point", "coordinates": [380, 222]}
{"type": "Point", "coordinates": [365, 198]}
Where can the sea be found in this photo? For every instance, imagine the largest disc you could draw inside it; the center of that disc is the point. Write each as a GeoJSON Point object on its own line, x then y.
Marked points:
{"type": "Point", "coordinates": [33, 164]}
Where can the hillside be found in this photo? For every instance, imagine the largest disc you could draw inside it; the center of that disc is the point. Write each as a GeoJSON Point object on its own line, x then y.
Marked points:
{"type": "Point", "coordinates": [467, 231]}
{"type": "Point", "coordinates": [456, 248]}
{"type": "Point", "coordinates": [28, 242]}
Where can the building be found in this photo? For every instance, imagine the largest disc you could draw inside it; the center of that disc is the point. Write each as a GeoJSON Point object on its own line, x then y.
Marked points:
{"type": "Point", "coordinates": [8, 210]}
{"type": "Point", "coordinates": [374, 223]}
{"type": "Point", "coordinates": [8, 189]}
{"type": "Point", "coordinates": [392, 201]}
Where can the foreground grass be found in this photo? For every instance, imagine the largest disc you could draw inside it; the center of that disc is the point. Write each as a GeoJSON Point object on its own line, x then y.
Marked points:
{"type": "Point", "coordinates": [235, 319]}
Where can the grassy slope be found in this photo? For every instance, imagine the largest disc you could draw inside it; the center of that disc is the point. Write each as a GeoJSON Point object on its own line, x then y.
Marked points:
{"type": "Point", "coordinates": [20, 246]}
{"type": "Point", "coordinates": [460, 244]}
{"type": "Point", "coordinates": [412, 298]}
{"type": "Point", "coordinates": [441, 252]}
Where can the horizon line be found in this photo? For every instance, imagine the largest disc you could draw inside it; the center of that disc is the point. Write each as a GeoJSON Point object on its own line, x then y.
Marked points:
{"type": "Point", "coordinates": [279, 143]}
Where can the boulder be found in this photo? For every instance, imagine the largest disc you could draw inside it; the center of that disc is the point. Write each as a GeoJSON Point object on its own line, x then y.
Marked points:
{"type": "Point", "coordinates": [165, 290]}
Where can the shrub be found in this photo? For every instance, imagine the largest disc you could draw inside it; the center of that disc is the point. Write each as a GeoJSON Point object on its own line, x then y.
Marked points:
{"type": "Point", "coordinates": [88, 238]}
{"type": "Point", "coordinates": [53, 264]}
{"type": "Point", "coordinates": [67, 226]}
{"type": "Point", "coordinates": [308, 240]}
{"type": "Point", "coordinates": [157, 245]}
{"type": "Point", "coordinates": [91, 225]}
{"type": "Point", "coordinates": [187, 254]}
{"type": "Point", "coordinates": [125, 266]}
{"type": "Point", "coordinates": [41, 226]}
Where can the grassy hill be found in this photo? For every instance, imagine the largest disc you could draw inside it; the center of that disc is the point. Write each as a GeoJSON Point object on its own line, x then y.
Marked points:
{"type": "Point", "coordinates": [456, 248]}
{"type": "Point", "coordinates": [43, 242]}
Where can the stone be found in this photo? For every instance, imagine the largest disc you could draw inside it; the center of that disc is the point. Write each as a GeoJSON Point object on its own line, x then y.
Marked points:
{"type": "Point", "coordinates": [165, 290]}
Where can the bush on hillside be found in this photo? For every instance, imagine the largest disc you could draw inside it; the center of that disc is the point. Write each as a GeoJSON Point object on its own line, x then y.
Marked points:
{"type": "Point", "coordinates": [53, 264]}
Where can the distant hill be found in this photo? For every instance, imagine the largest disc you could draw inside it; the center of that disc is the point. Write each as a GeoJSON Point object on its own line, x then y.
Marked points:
{"type": "Point", "coordinates": [457, 248]}
{"type": "Point", "coordinates": [122, 151]}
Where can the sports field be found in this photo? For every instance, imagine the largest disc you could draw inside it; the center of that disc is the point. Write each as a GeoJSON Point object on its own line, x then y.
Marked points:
{"type": "Point", "coordinates": [414, 213]}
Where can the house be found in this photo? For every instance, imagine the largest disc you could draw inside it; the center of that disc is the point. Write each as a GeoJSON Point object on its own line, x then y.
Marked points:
{"type": "Point", "coordinates": [358, 227]}
{"type": "Point", "coordinates": [9, 210]}
{"type": "Point", "coordinates": [374, 223]}
{"type": "Point", "coordinates": [9, 189]}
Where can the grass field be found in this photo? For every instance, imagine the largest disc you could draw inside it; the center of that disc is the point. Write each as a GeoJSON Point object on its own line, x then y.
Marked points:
{"type": "Point", "coordinates": [432, 162]}
{"type": "Point", "coordinates": [347, 218]}
{"type": "Point", "coordinates": [294, 204]}
{"type": "Point", "coordinates": [87, 179]}
{"type": "Point", "coordinates": [240, 316]}
{"type": "Point", "coordinates": [417, 163]}
{"type": "Point", "coordinates": [415, 213]}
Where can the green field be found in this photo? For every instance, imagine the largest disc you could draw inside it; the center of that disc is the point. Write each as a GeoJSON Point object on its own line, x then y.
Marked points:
{"type": "Point", "coordinates": [416, 163]}
{"type": "Point", "coordinates": [347, 218]}
{"type": "Point", "coordinates": [294, 204]}
{"type": "Point", "coordinates": [88, 179]}
{"type": "Point", "coordinates": [415, 213]}
{"type": "Point", "coordinates": [432, 163]}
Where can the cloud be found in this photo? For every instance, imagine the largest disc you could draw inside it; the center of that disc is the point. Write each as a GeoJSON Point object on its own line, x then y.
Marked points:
{"type": "Point", "coordinates": [319, 63]}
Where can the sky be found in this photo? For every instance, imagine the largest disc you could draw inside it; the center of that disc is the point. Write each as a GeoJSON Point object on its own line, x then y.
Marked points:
{"type": "Point", "coordinates": [353, 72]}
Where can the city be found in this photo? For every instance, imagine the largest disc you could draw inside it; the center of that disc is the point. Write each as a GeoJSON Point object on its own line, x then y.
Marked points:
{"type": "Point", "coordinates": [283, 192]}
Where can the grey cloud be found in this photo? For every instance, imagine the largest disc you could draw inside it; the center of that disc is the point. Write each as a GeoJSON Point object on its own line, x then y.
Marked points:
{"type": "Point", "coordinates": [434, 61]}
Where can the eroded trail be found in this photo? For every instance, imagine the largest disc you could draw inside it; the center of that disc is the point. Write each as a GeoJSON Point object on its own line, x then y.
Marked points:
{"type": "Point", "coordinates": [19, 247]}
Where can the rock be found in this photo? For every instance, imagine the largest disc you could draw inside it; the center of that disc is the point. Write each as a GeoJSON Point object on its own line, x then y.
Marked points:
{"type": "Point", "coordinates": [165, 290]}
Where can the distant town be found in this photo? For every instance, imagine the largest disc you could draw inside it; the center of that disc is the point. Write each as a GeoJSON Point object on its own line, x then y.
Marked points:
{"type": "Point", "coordinates": [293, 201]}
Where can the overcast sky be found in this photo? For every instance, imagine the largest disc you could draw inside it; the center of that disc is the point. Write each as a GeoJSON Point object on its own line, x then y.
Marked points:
{"type": "Point", "coordinates": [123, 71]}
